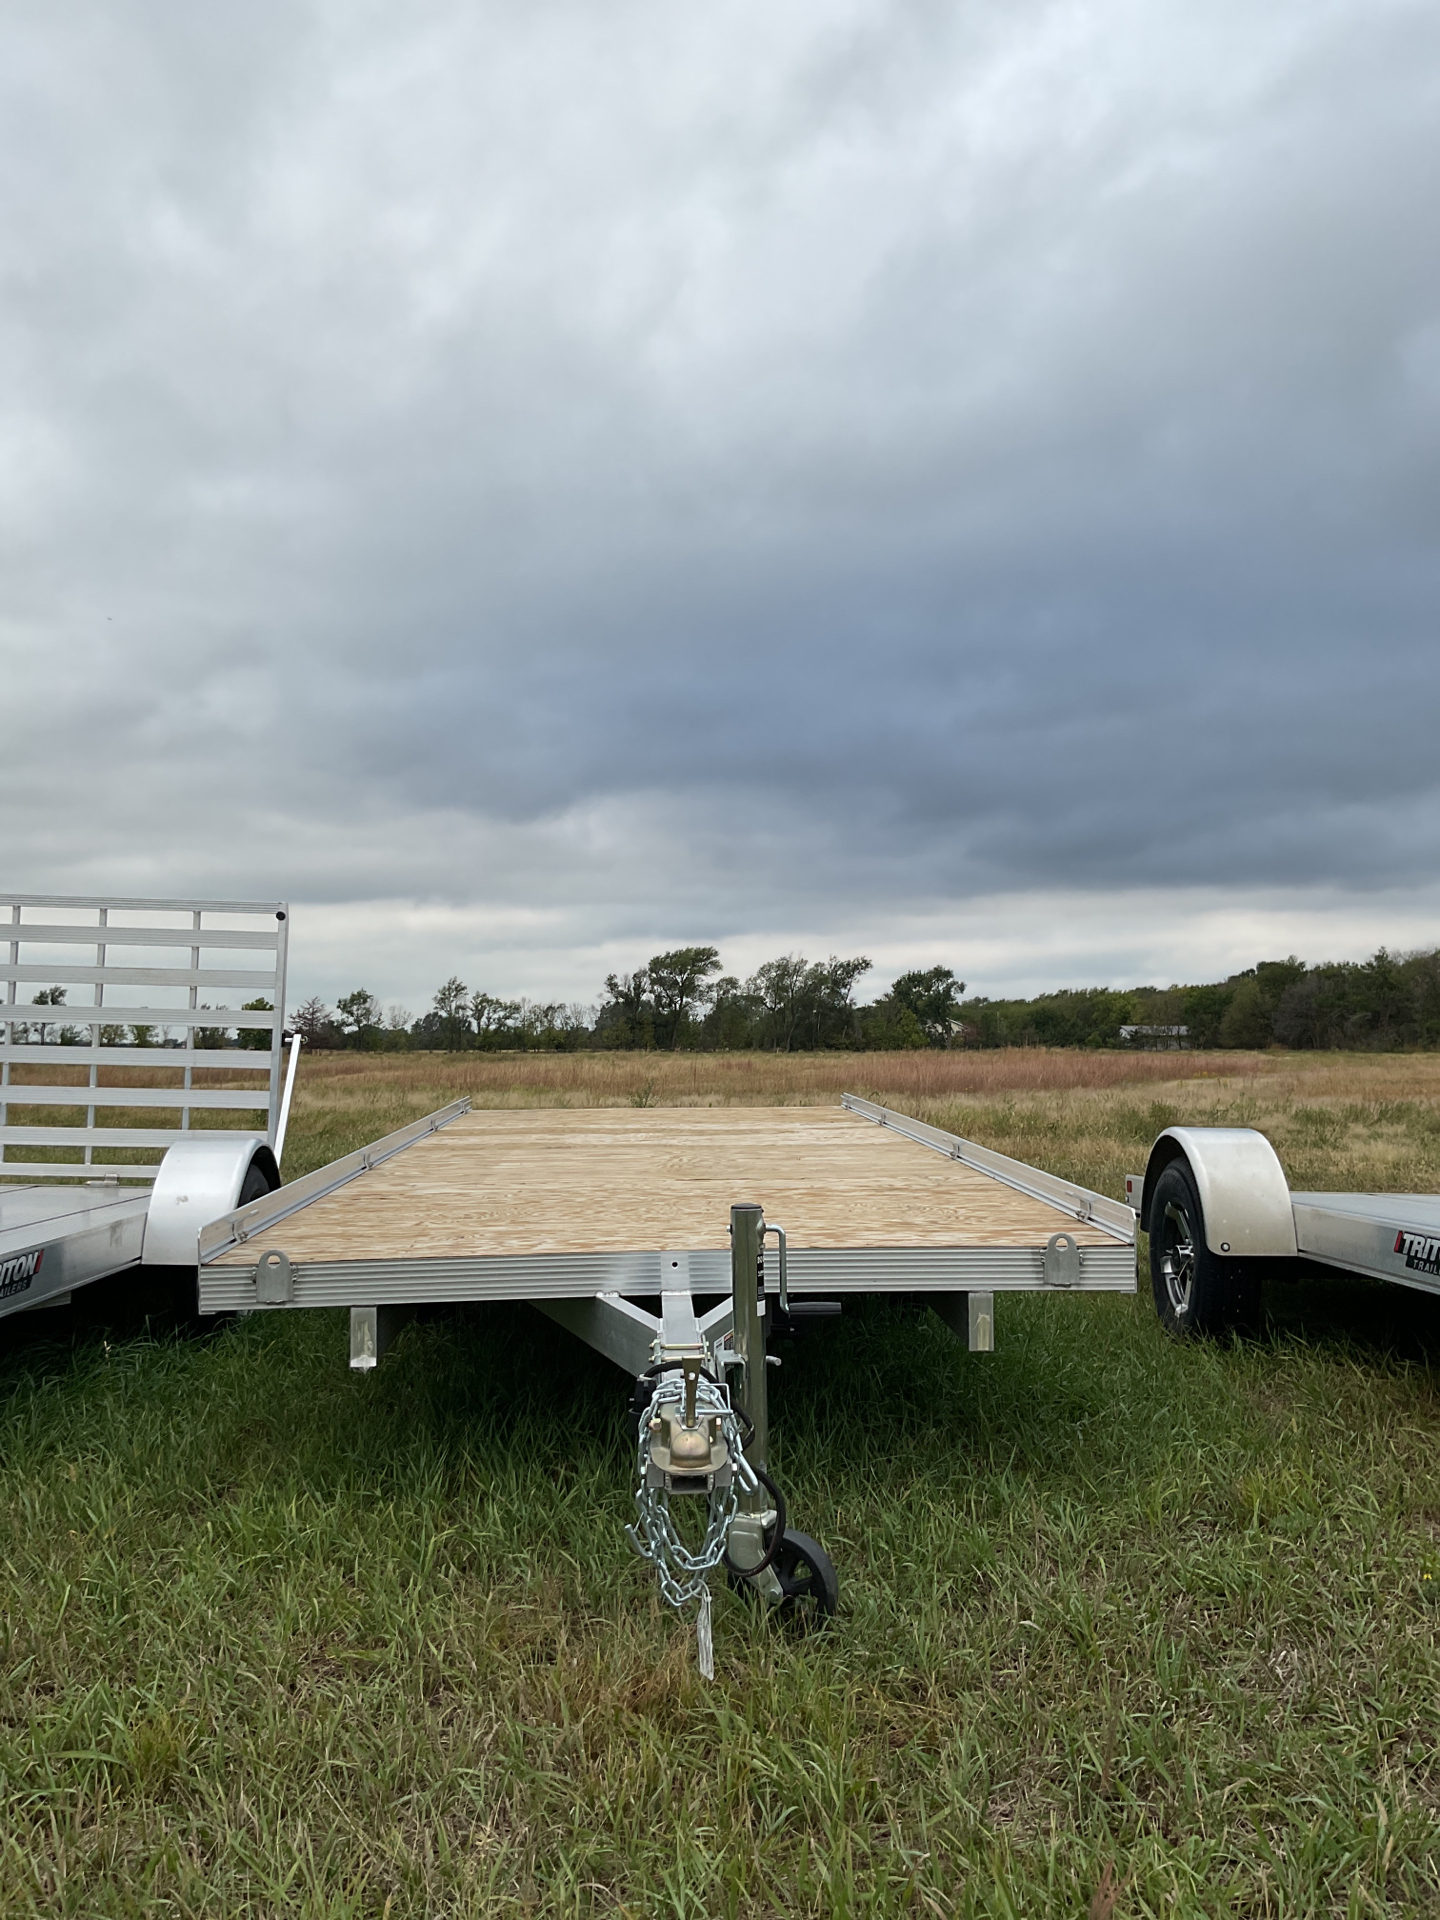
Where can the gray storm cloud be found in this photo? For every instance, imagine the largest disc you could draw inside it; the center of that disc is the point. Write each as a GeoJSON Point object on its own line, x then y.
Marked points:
{"type": "Point", "coordinates": [687, 465]}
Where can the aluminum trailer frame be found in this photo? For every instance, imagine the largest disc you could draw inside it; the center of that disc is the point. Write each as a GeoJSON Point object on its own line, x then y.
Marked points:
{"type": "Point", "coordinates": [556, 1207]}
{"type": "Point", "coordinates": [53, 1241]}
{"type": "Point", "coordinates": [1251, 1226]}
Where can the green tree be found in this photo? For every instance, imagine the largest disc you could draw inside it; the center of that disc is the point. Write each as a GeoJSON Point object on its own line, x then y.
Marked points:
{"type": "Point", "coordinates": [452, 1004]}
{"type": "Point", "coordinates": [779, 986]}
{"type": "Point", "coordinates": [983, 1023]}
{"type": "Point", "coordinates": [50, 1034]}
{"type": "Point", "coordinates": [1247, 1021]}
{"type": "Point", "coordinates": [932, 996]}
{"type": "Point", "coordinates": [1421, 973]}
{"type": "Point", "coordinates": [1204, 1012]}
{"type": "Point", "coordinates": [360, 1016]}
{"type": "Point", "coordinates": [730, 1025]}
{"type": "Point", "coordinates": [211, 1038]}
{"type": "Point", "coordinates": [627, 1014]}
{"type": "Point", "coordinates": [887, 1027]}
{"type": "Point", "coordinates": [1087, 1017]}
{"type": "Point", "coordinates": [497, 1022]}
{"type": "Point", "coordinates": [679, 983]}
{"type": "Point", "coordinates": [314, 1024]}
{"type": "Point", "coordinates": [1249, 1017]}
{"type": "Point", "coordinates": [829, 1002]}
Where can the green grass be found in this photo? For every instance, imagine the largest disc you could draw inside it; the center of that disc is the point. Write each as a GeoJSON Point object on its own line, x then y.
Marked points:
{"type": "Point", "coordinates": [280, 1639]}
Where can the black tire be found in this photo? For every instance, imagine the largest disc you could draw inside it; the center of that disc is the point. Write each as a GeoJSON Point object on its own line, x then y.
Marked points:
{"type": "Point", "coordinates": [808, 1580]}
{"type": "Point", "coordinates": [256, 1184]}
{"type": "Point", "coordinates": [1197, 1293]}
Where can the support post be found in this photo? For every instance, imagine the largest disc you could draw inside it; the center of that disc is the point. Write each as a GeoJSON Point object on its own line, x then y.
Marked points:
{"type": "Point", "coordinates": [969, 1316]}
{"type": "Point", "coordinates": [371, 1331]}
{"type": "Point", "coordinates": [747, 1227]}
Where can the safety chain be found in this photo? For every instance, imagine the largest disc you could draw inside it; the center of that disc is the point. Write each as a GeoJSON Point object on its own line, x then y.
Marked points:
{"type": "Point", "coordinates": [683, 1574]}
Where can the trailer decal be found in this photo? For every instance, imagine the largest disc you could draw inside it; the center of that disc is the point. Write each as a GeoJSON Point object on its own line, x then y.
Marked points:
{"type": "Point", "coordinates": [1421, 1251]}
{"type": "Point", "coordinates": [18, 1271]}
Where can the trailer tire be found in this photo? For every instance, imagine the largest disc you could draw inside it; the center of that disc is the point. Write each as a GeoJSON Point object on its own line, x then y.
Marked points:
{"type": "Point", "coordinates": [256, 1184]}
{"type": "Point", "coordinates": [1197, 1293]}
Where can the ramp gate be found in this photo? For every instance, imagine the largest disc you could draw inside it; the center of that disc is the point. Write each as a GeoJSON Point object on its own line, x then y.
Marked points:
{"type": "Point", "coordinates": [40, 1036]}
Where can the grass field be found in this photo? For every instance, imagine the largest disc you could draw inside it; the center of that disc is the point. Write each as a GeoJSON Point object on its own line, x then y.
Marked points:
{"type": "Point", "coordinates": [1128, 1628]}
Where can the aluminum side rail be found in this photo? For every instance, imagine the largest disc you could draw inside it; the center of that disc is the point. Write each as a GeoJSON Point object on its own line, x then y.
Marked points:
{"type": "Point", "coordinates": [1110, 1216]}
{"type": "Point", "coordinates": [254, 1221]}
{"type": "Point", "coordinates": [1385, 1236]}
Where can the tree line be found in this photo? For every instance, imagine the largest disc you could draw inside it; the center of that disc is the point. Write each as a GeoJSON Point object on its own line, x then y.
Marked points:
{"type": "Point", "coordinates": [1388, 1002]}
{"type": "Point", "coordinates": [682, 999]}
{"type": "Point", "coordinates": [676, 1000]}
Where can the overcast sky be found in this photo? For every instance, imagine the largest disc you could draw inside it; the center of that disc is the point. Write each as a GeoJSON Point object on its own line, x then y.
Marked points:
{"type": "Point", "coordinates": [536, 484]}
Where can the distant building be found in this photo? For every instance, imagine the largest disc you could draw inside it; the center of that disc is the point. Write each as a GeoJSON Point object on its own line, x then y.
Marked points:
{"type": "Point", "coordinates": [1156, 1039]}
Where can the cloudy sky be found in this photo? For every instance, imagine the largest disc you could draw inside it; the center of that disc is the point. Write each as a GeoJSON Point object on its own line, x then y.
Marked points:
{"type": "Point", "coordinates": [532, 485]}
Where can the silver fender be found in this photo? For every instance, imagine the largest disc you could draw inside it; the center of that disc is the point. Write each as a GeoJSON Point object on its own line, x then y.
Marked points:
{"type": "Point", "coordinates": [1243, 1190]}
{"type": "Point", "coordinates": [198, 1180]}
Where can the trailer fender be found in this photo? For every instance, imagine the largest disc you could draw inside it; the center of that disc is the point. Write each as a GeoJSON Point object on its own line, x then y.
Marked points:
{"type": "Point", "coordinates": [1243, 1191]}
{"type": "Point", "coordinates": [199, 1180]}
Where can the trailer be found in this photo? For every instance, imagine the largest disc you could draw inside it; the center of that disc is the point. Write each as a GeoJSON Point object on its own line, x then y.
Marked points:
{"type": "Point", "coordinates": [1222, 1219]}
{"type": "Point", "coordinates": [83, 1079]}
{"type": "Point", "coordinates": [677, 1242]}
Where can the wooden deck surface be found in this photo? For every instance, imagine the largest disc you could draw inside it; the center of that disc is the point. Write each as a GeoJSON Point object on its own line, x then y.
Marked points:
{"type": "Point", "coordinates": [619, 1180]}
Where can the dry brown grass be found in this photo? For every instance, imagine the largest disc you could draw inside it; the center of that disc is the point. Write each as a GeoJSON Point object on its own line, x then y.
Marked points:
{"type": "Point", "coordinates": [1368, 1121]}
{"type": "Point", "coordinates": [749, 1079]}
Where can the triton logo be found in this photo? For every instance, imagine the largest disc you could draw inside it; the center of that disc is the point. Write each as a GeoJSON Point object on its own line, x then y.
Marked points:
{"type": "Point", "coordinates": [1421, 1251]}
{"type": "Point", "coordinates": [18, 1271]}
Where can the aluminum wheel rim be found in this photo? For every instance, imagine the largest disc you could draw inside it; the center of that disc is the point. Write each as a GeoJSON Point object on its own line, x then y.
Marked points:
{"type": "Point", "coordinates": [1177, 1258]}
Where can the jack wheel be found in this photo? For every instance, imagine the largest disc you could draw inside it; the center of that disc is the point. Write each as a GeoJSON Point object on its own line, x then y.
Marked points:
{"type": "Point", "coordinates": [808, 1580]}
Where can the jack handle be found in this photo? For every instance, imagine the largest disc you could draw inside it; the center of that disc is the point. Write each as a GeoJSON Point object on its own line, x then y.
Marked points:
{"type": "Point", "coordinates": [779, 1232]}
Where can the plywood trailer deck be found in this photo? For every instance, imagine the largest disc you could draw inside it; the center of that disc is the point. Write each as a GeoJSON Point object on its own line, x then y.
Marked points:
{"type": "Point", "coordinates": [592, 1213]}
{"type": "Point", "coordinates": [556, 1203]}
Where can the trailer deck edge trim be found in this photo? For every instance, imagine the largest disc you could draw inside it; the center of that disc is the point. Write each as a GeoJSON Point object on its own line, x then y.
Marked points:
{"type": "Point", "coordinates": [565, 1276]}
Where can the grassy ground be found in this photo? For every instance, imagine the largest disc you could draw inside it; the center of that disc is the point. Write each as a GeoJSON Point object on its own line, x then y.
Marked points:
{"type": "Point", "coordinates": [1128, 1628]}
